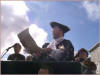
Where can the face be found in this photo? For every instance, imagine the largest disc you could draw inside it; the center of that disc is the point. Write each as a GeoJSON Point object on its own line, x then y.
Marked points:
{"type": "Point", "coordinates": [83, 55]}
{"type": "Point", "coordinates": [17, 49]}
{"type": "Point", "coordinates": [57, 32]}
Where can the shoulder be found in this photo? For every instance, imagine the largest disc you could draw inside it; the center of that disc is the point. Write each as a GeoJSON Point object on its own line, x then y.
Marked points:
{"type": "Point", "coordinates": [11, 55]}
{"type": "Point", "coordinates": [66, 41]}
{"type": "Point", "coordinates": [21, 55]}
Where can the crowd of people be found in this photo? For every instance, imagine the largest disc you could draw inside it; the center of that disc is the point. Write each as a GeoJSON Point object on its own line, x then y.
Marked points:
{"type": "Point", "coordinates": [59, 49]}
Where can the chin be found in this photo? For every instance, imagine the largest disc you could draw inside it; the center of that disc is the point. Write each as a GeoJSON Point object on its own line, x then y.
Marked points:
{"type": "Point", "coordinates": [55, 37]}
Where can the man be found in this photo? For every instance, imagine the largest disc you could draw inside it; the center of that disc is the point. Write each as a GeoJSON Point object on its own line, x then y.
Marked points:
{"type": "Point", "coordinates": [60, 49]}
{"type": "Point", "coordinates": [16, 55]}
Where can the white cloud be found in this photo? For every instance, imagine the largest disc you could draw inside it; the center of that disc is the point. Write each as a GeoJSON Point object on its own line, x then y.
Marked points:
{"type": "Point", "coordinates": [12, 23]}
{"type": "Point", "coordinates": [39, 35]}
{"type": "Point", "coordinates": [92, 10]}
{"type": "Point", "coordinates": [18, 8]}
{"type": "Point", "coordinates": [14, 19]}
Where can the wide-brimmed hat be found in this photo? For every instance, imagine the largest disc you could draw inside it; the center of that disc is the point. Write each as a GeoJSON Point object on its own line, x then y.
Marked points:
{"type": "Point", "coordinates": [63, 27]}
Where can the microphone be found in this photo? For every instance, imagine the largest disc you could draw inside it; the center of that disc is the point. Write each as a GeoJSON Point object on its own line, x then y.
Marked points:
{"type": "Point", "coordinates": [10, 47]}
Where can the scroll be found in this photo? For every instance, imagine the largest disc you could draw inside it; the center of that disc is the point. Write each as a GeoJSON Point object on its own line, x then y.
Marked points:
{"type": "Point", "coordinates": [28, 42]}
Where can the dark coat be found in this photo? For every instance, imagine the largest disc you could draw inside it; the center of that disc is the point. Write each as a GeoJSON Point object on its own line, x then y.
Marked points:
{"type": "Point", "coordinates": [59, 55]}
{"type": "Point", "coordinates": [16, 57]}
{"type": "Point", "coordinates": [68, 52]}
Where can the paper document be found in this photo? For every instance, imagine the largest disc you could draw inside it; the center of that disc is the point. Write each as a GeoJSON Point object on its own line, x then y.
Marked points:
{"type": "Point", "coordinates": [28, 42]}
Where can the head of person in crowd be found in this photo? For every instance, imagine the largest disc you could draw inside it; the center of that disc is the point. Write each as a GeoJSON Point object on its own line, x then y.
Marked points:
{"type": "Point", "coordinates": [45, 45]}
{"type": "Point", "coordinates": [81, 55]}
{"type": "Point", "coordinates": [58, 30]}
{"type": "Point", "coordinates": [17, 48]}
{"type": "Point", "coordinates": [29, 58]}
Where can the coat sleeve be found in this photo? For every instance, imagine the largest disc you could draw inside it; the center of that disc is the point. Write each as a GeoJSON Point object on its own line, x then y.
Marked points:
{"type": "Point", "coordinates": [69, 50]}
{"type": "Point", "coordinates": [9, 57]}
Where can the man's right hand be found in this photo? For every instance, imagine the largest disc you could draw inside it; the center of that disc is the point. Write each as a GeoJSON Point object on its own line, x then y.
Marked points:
{"type": "Point", "coordinates": [47, 50]}
{"type": "Point", "coordinates": [44, 50]}
{"type": "Point", "coordinates": [77, 59]}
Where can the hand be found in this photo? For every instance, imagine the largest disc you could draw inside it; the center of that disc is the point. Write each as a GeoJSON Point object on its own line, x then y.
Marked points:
{"type": "Point", "coordinates": [37, 54]}
{"type": "Point", "coordinates": [77, 59]}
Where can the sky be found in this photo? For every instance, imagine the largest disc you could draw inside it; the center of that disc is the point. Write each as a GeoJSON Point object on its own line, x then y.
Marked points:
{"type": "Point", "coordinates": [80, 16]}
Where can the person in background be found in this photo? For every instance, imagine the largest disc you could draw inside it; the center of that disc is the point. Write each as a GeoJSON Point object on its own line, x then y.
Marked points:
{"type": "Point", "coordinates": [81, 55]}
{"type": "Point", "coordinates": [88, 67]}
{"type": "Point", "coordinates": [29, 58]}
{"type": "Point", "coordinates": [16, 55]}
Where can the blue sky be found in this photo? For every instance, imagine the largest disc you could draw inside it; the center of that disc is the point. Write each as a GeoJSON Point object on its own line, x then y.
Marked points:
{"type": "Point", "coordinates": [84, 30]}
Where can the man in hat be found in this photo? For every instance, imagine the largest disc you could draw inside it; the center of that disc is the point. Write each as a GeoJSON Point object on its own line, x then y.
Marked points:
{"type": "Point", "coordinates": [60, 49]}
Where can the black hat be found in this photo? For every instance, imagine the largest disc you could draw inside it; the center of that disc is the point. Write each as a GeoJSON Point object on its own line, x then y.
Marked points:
{"type": "Point", "coordinates": [63, 27]}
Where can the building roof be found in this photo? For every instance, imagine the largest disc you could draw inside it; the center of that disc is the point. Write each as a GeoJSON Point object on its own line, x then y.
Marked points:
{"type": "Point", "coordinates": [94, 47]}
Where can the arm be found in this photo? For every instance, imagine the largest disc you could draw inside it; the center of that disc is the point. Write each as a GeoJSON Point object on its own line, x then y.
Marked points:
{"type": "Point", "coordinates": [69, 50]}
{"type": "Point", "coordinates": [9, 57]}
